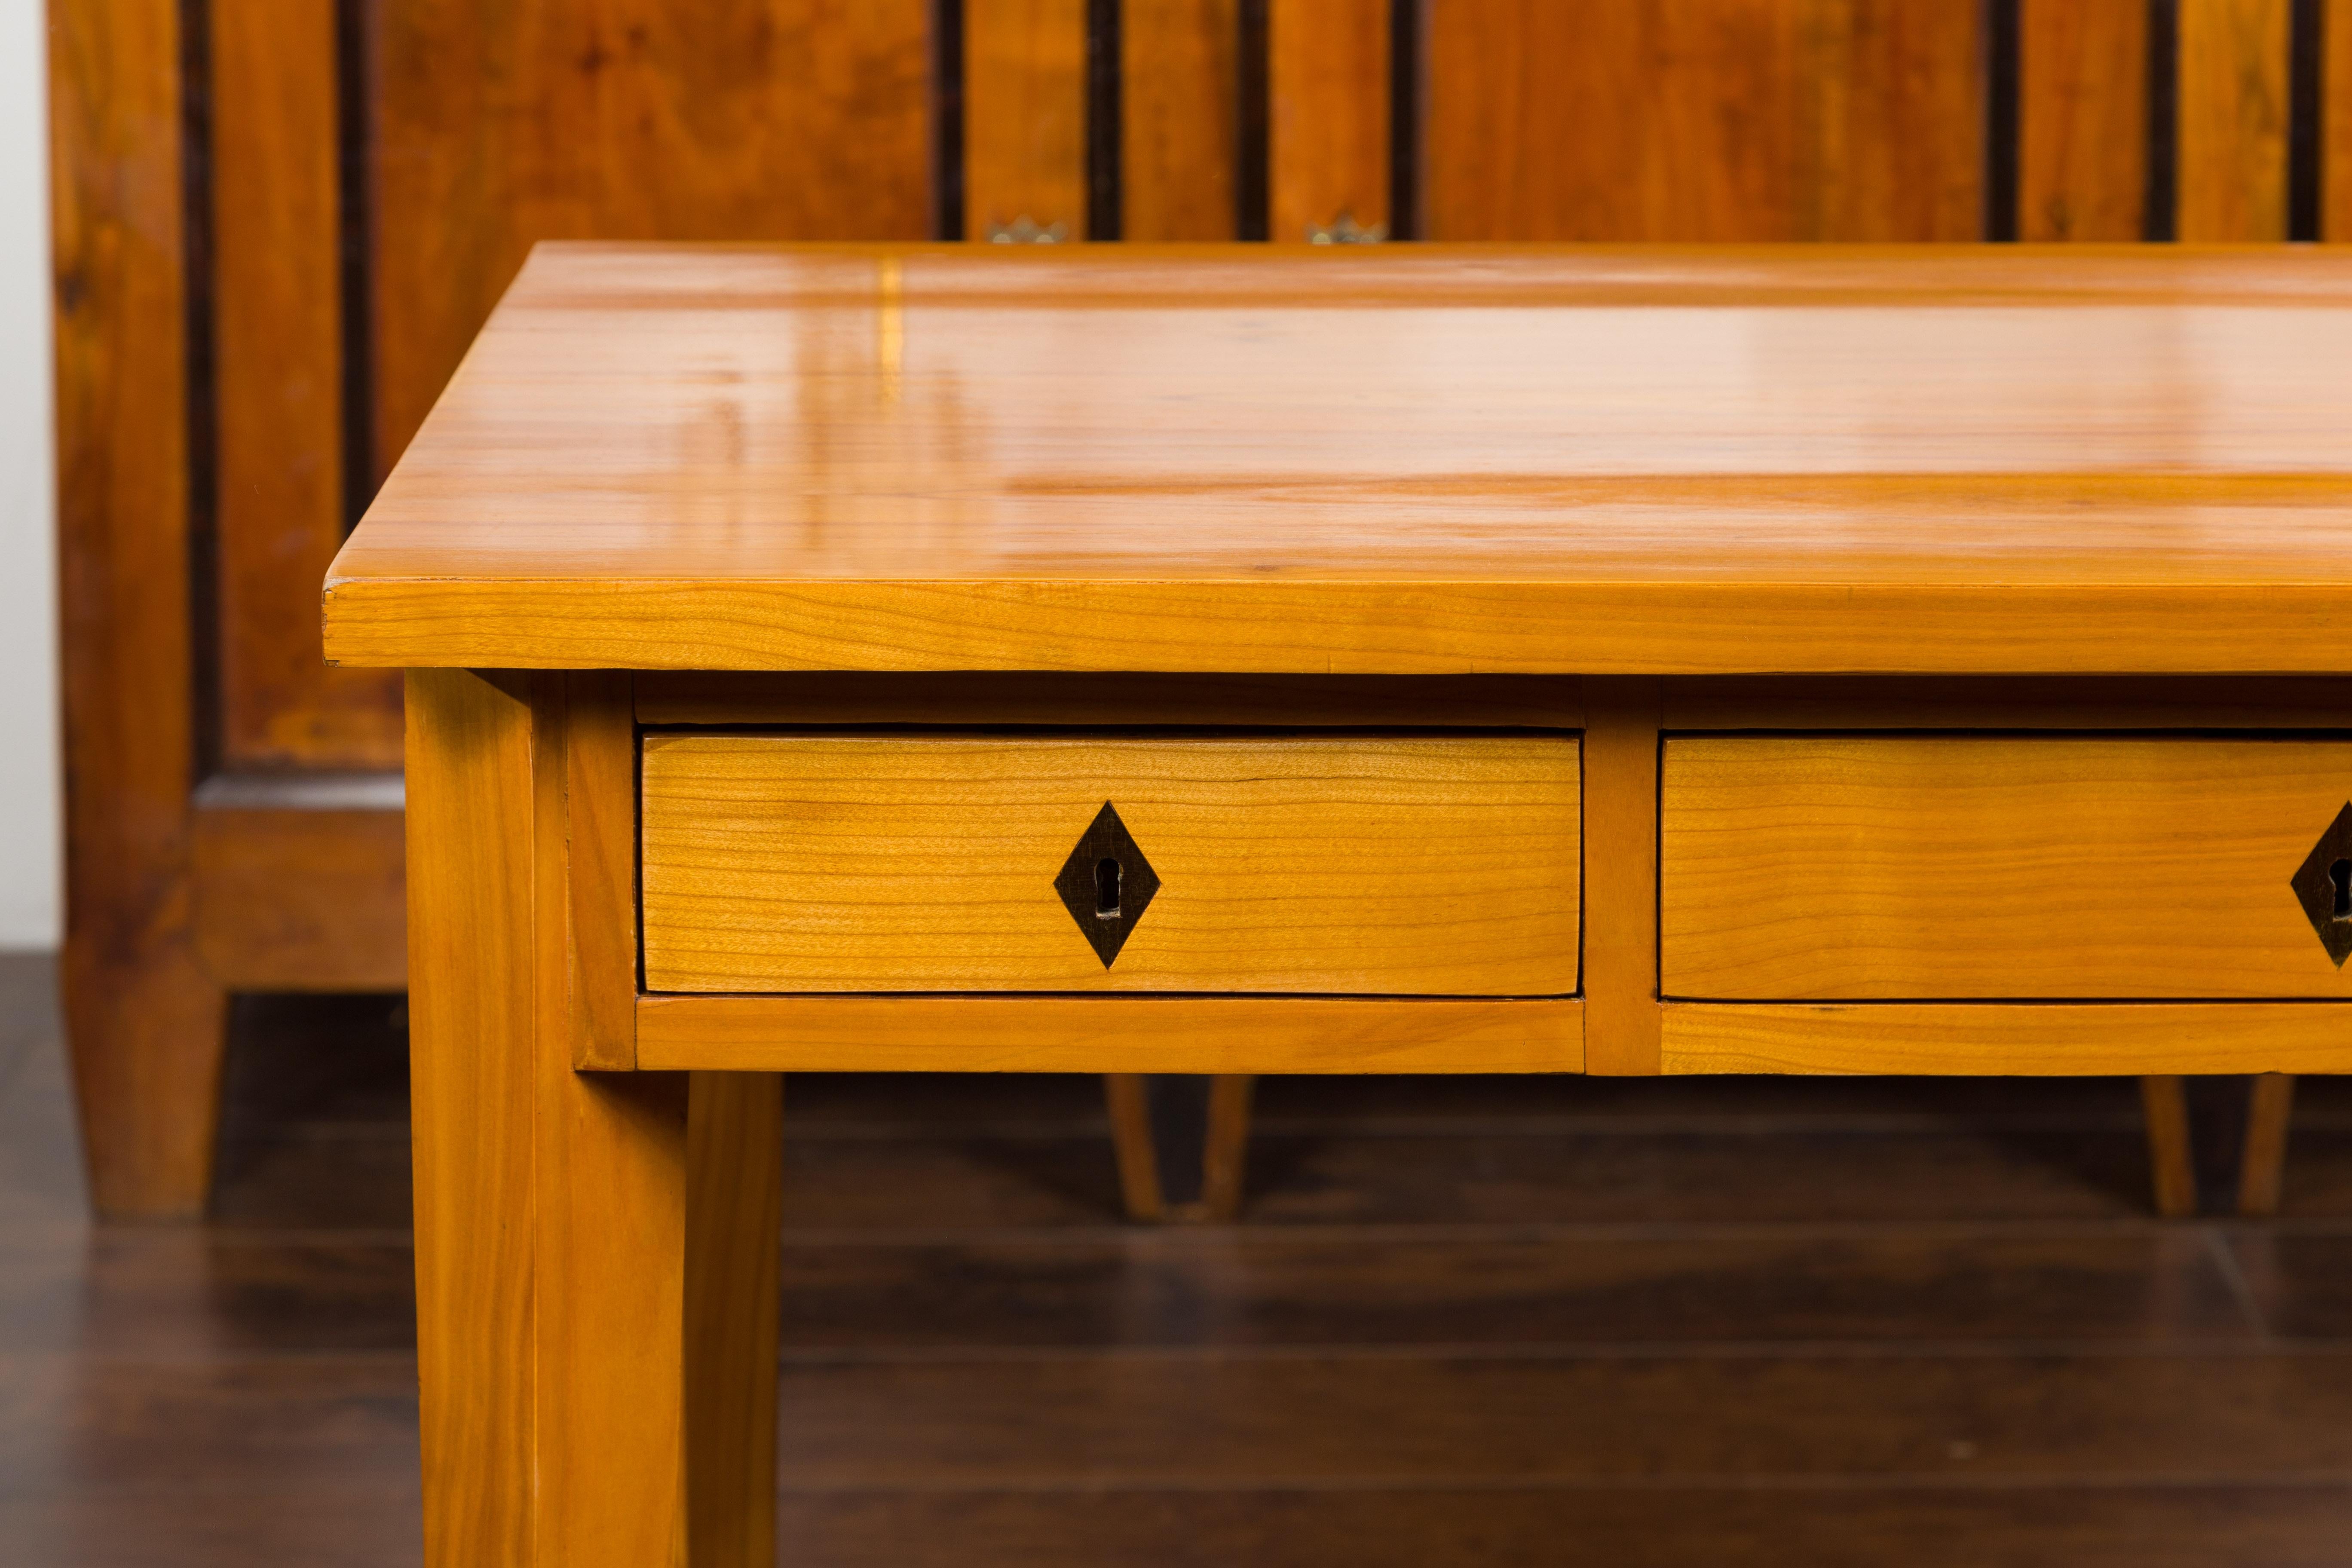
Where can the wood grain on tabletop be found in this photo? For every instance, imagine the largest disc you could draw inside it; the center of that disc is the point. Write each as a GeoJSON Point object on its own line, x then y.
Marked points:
{"type": "Point", "coordinates": [1179, 101]}
{"type": "Point", "coordinates": [1641, 462]}
{"type": "Point", "coordinates": [1409, 865]}
{"type": "Point", "coordinates": [1025, 115]}
{"type": "Point", "coordinates": [145, 1018]}
{"type": "Point", "coordinates": [2081, 119]}
{"type": "Point", "coordinates": [769, 119]}
{"type": "Point", "coordinates": [1775, 120]}
{"type": "Point", "coordinates": [2233, 89]}
{"type": "Point", "coordinates": [278, 336]}
{"type": "Point", "coordinates": [1851, 867]}
{"type": "Point", "coordinates": [1328, 105]}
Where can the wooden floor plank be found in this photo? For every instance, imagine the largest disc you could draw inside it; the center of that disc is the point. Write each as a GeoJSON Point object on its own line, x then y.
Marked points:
{"type": "Point", "coordinates": [1253, 1290]}
{"type": "Point", "coordinates": [73, 1422]}
{"type": "Point", "coordinates": [1320, 1421]}
{"type": "Point", "coordinates": [1492, 1175]}
{"type": "Point", "coordinates": [1637, 1527]}
{"type": "Point", "coordinates": [174, 1291]}
{"type": "Point", "coordinates": [339, 1527]}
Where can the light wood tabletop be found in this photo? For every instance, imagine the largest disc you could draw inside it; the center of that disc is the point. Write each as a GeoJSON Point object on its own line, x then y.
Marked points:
{"type": "Point", "coordinates": [1895, 459]}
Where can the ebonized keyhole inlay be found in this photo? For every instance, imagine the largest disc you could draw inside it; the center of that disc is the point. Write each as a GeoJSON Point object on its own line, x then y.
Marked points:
{"type": "Point", "coordinates": [1107, 884]}
{"type": "Point", "coordinates": [2322, 886]}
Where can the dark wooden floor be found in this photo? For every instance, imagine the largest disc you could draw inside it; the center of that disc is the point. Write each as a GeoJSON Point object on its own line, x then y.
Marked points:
{"type": "Point", "coordinates": [1499, 1323]}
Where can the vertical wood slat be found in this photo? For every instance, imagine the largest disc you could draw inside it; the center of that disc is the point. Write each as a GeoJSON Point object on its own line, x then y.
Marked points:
{"type": "Point", "coordinates": [2083, 113]}
{"type": "Point", "coordinates": [144, 1020]}
{"type": "Point", "coordinates": [1024, 106]}
{"type": "Point", "coordinates": [1621, 1017]}
{"type": "Point", "coordinates": [2335, 123]}
{"type": "Point", "coordinates": [600, 759]}
{"type": "Point", "coordinates": [1181, 114]}
{"type": "Point", "coordinates": [276, 304]}
{"type": "Point", "coordinates": [1893, 144]}
{"type": "Point", "coordinates": [1328, 69]}
{"type": "Point", "coordinates": [1733, 120]}
{"type": "Point", "coordinates": [2233, 120]}
{"type": "Point", "coordinates": [627, 119]}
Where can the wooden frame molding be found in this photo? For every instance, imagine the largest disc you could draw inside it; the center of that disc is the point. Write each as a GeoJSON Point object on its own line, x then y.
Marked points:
{"type": "Point", "coordinates": [1621, 876]}
{"type": "Point", "coordinates": [2004, 1039]}
{"type": "Point", "coordinates": [1106, 1034]}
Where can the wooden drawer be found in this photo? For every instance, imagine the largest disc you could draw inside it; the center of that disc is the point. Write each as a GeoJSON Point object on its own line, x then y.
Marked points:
{"type": "Point", "coordinates": [1422, 864]}
{"type": "Point", "coordinates": [1854, 867]}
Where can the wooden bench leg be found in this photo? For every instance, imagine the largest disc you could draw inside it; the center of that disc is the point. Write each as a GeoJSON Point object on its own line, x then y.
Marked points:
{"type": "Point", "coordinates": [596, 1253]}
{"type": "Point", "coordinates": [2172, 1161]}
{"type": "Point", "coordinates": [1149, 1121]}
{"type": "Point", "coordinates": [1224, 1160]}
{"type": "Point", "coordinates": [1128, 1096]}
{"type": "Point", "coordinates": [2262, 1160]}
{"type": "Point", "coordinates": [148, 1031]}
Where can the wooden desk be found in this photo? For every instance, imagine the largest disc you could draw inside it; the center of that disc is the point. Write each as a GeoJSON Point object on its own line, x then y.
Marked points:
{"type": "Point", "coordinates": [1219, 661]}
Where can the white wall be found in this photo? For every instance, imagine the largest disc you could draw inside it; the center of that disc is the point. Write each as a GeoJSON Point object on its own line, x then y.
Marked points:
{"type": "Point", "coordinates": [29, 832]}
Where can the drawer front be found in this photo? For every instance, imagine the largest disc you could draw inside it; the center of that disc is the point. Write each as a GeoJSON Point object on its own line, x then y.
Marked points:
{"type": "Point", "coordinates": [1390, 865]}
{"type": "Point", "coordinates": [1904, 867]}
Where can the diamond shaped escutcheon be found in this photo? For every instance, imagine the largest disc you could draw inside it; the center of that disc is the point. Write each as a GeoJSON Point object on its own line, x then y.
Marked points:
{"type": "Point", "coordinates": [1107, 884]}
{"type": "Point", "coordinates": [2322, 885]}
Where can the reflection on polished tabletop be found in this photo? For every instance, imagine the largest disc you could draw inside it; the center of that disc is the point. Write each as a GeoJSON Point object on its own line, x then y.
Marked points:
{"type": "Point", "coordinates": [1595, 460]}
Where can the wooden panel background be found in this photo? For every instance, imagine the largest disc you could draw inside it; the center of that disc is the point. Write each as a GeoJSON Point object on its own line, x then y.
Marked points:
{"type": "Point", "coordinates": [1180, 68]}
{"type": "Point", "coordinates": [2081, 119]}
{"type": "Point", "coordinates": [2335, 128]}
{"type": "Point", "coordinates": [1025, 115]}
{"type": "Point", "coordinates": [1729, 120]}
{"type": "Point", "coordinates": [1328, 141]}
{"type": "Point", "coordinates": [2233, 120]}
{"type": "Point", "coordinates": [278, 373]}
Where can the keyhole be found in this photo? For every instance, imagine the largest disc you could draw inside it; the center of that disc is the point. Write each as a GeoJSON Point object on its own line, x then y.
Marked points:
{"type": "Point", "coordinates": [2341, 875]}
{"type": "Point", "coordinates": [1106, 886]}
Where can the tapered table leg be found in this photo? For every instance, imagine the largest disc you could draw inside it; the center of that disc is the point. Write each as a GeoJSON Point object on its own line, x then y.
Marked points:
{"type": "Point", "coordinates": [595, 1251]}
